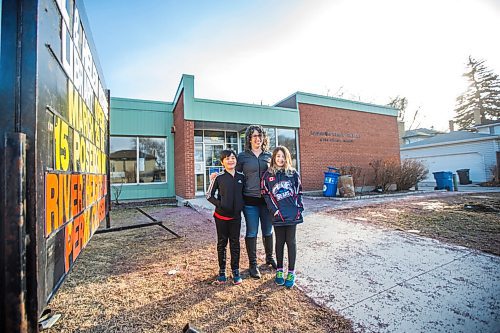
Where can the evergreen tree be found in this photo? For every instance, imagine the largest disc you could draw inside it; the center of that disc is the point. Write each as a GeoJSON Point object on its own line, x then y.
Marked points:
{"type": "Point", "coordinates": [483, 94]}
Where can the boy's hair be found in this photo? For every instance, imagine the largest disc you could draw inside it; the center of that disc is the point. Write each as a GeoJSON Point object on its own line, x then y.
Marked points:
{"type": "Point", "coordinates": [248, 137]}
{"type": "Point", "coordinates": [226, 153]}
{"type": "Point", "coordinates": [288, 167]}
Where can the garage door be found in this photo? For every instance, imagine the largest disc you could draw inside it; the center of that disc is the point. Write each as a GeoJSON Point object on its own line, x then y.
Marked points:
{"type": "Point", "coordinates": [472, 161]}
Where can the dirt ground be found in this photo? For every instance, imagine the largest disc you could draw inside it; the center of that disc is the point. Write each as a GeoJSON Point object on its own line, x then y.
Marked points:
{"type": "Point", "coordinates": [470, 220]}
{"type": "Point", "coordinates": [146, 280]}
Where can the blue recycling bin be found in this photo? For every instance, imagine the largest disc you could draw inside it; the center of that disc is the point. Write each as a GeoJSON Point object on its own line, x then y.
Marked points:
{"type": "Point", "coordinates": [444, 180]}
{"type": "Point", "coordinates": [331, 181]}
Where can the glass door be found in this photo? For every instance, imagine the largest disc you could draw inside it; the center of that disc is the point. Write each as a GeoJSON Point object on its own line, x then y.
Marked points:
{"type": "Point", "coordinates": [199, 168]}
{"type": "Point", "coordinates": [208, 145]}
{"type": "Point", "coordinates": [212, 161]}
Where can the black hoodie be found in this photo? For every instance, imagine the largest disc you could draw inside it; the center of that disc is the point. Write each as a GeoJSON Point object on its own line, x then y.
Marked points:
{"type": "Point", "coordinates": [229, 199]}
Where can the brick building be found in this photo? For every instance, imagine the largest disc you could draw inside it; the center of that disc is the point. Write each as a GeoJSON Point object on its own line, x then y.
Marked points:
{"type": "Point", "coordinates": [187, 135]}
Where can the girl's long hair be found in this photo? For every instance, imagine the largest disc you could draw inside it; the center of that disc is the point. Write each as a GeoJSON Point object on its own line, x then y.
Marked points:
{"type": "Point", "coordinates": [288, 167]}
{"type": "Point", "coordinates": [248, 137]}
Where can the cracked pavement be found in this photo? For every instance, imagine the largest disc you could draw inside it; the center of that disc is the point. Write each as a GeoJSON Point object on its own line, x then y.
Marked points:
{"type": "Point", "coordinates": [390, 281]}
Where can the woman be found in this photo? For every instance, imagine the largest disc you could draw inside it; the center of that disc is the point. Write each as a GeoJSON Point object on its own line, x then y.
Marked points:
{"type": "Point", "coordinates": [253, 162]}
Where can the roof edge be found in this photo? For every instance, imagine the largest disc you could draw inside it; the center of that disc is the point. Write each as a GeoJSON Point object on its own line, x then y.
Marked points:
{"type": "Point", "coordinates": [489, 137]}
{"type": "Point", "coordinates": [314, 99]}
{"type": "Point", "coordinates": [246, 104]}
{"type": "Point", "coordinates": [140, 100]}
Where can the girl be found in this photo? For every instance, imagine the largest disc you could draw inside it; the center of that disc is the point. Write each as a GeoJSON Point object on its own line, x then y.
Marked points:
{"type": "Point", "coordinates": [282, 191]}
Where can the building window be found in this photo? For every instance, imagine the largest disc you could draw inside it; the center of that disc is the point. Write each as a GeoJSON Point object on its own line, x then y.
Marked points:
{"type": "Point", "coordinates": [123, 159]}
{"type": "Point", "coordinates": [137, 160]}
{"type": "Point", "coordinates": [208, 145]}
{"type": "Point", "coordinates": [287, 138]}
{"type": "Point", "coordinates": [279, 137]}
{"type": "Point", "coordinates": [271, 133]}
{"type": "Point", "coordinates": [232, 141]}
{"type": "Point", "coordinates": [152, 160]}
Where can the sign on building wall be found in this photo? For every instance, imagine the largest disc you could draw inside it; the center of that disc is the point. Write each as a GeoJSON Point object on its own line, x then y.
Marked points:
{"type": "Point", "coordinates": [56, 110]}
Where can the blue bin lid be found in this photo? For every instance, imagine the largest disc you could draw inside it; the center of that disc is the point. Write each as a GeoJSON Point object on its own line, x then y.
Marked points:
{"type": "Point", "coordinates": [442, 172]}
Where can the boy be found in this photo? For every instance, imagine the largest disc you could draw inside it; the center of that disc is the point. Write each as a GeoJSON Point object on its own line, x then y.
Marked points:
{"type": "Point", "coordinates": [228, 206]}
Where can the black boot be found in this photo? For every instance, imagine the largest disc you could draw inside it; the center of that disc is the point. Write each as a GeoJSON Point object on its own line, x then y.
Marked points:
{"type": "Point", "coordinates": [268, 246]}
{"type": "Point", "coordinates": [251, 244]}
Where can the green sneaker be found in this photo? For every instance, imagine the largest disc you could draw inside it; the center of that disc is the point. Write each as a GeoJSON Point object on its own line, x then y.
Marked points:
{"type": "Point", "coordinates": [279, 279]}
{"type": "Point", "coordinates": [221, 279]}
{"type": "Point", "coordinates": [236, 277]}
{"type": "Point", "coordinates": [290, 280]}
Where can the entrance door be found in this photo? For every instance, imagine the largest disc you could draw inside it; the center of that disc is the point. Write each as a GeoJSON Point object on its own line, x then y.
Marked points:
{"type": "Point", "coordinates": [199, 168]}
{"type": "Point", "coordinates": [212, 161]}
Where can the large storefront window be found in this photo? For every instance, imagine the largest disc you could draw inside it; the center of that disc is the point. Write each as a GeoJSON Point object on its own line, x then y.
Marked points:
{"type": "Point", "coordinates": [279, 136]}
{"type": "Point", "coordinates": [137, 160]}
{"type": "Point", "coordinates": [208, 145]}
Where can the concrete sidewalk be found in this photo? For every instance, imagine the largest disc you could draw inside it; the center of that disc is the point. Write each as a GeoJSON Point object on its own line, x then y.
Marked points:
{"type": "Point", "coordinates": [390, 281]}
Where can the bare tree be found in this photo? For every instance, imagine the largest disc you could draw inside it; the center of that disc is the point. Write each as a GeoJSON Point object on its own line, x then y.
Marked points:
{"type": "Point", "coordinates": [117, 191]}
{"type": "Point", "coordinates": [408, 117]}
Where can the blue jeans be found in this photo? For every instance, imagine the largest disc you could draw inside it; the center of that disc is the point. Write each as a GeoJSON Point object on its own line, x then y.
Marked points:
{"type": "Point", "coordinates": [252, 215]}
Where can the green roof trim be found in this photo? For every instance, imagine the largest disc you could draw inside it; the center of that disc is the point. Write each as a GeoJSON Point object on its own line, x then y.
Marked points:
{"type": "Point", "coordinates": [198, 109]}
{"type": "Point", "coordinates": [187, 86]}
{"type": "Point", "coordinates": [140, 117]}
{"type": "Point", "coordinates": [242, 113]}
{"type": "Point", "coordinates": [340, 103]}
{"type": "Point", "coordinates": [140, 104]}
{"type": "Point", "coordinates": [335, 102]}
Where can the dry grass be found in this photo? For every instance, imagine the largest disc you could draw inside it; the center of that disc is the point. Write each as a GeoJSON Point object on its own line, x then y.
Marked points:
{"type": "Point", "coordinates": [121, 284]}
{"type": "Point", "coordinates": [444, 218]}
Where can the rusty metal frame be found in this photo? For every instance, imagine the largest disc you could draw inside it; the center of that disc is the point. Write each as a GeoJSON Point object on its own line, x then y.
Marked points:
{"type": "Point", "coordinates": [141, 225]}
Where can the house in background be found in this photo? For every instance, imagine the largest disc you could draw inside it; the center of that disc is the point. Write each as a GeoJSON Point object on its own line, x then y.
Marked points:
{"type": "Point", "coordinates": [488, 126]}
{"type": "Point", "coordinates": [479, 152]}
{"type": "Point", "coordinates": [418, 134]}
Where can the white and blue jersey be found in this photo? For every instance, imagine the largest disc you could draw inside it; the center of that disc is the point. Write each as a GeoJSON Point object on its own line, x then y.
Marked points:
{"type": "Point", "coordinates": [283, 195]}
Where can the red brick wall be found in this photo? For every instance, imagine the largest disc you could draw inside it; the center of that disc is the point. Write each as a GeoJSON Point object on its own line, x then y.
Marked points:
{"type": "Point", "coordinates": [184, 152]}
{"type": "Point", "coordinates": [373, 136]}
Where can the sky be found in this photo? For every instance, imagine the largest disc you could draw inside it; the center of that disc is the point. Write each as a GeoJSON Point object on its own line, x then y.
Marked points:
{"type": "Point", "coordinates": [262, 51]}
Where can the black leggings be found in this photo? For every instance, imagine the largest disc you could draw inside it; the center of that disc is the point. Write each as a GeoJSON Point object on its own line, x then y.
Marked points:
{"type": "Point", "coordinates": [286, 234]}
{"type": "Point", "coordinates": [228, 230]}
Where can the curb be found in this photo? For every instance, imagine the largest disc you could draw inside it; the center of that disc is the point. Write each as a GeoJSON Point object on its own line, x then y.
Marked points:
{"type": "Point", "coordinates": [376, 196]}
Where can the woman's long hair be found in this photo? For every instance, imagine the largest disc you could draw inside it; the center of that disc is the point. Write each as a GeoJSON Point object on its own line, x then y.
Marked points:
{"type": "Point", "coordinates": [288, 167]}
{"type": "Point", "coordinates": [248, 137]}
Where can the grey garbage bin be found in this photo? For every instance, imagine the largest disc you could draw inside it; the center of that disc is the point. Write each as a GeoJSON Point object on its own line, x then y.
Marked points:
{"type": "Point", "coordinates": [463, 176]}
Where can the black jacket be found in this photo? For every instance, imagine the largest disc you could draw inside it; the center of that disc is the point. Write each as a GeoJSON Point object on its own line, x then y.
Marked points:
{"type": "Point", "coordinates": [229, 199]}
{"type": "Point", "coordinates": [283, 193]}
{"type": "Point", "coordinates": [253, 168]}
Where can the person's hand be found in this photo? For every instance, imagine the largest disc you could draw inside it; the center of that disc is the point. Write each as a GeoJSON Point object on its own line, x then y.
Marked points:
{"type": "Point", "coordinates": [213, 175]}
{"type": "Point", "coordinates": [276, 213]}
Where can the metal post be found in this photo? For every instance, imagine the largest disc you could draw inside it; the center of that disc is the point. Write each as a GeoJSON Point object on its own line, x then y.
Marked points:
{"type": "Point", "coordinates": [108, 164]}
{"type": "Point", "coordinates": [14, 240]}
